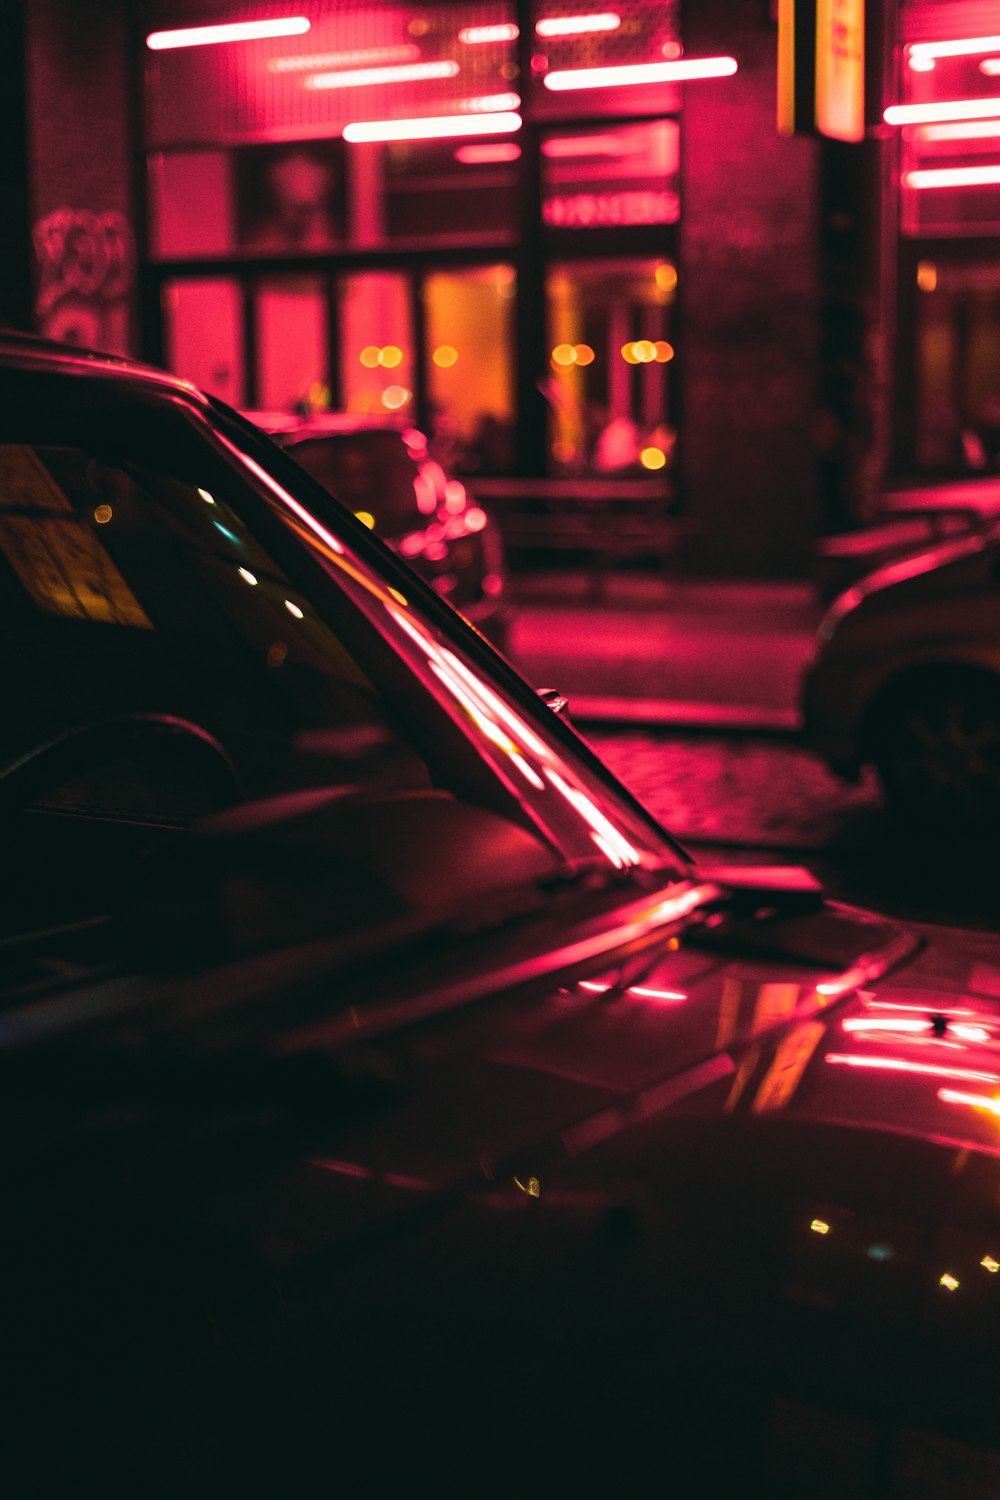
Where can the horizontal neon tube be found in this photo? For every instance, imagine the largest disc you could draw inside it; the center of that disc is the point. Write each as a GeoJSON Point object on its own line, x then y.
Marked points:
{"type": "Point", "coordinates": [632, 73]}
{"type": "Point", "coordinates": [493, 151]}
{"type": "Point", "coordinates": [584, 145]}
{"type": "Point", "coordinates": [938, 177]}
{"type": "Point", "coordinates": [966, 47]}
{"type": "Point", "coordinates": [432, 127]}
{"type": "Point", "coordinates": [969, 130]}
{"type": "Point", "coordinates": [578, 25]}
{"type": "Point", "coordinates": [353, 78]}
{"type": "Point", "coordinates": [404, 52]}
{"type": "Point", "coordinates": [949, 109]}
{"type": "Point", "coordinates": [474, 36]}
{"type": "Point", "coordinates": [231, 31]}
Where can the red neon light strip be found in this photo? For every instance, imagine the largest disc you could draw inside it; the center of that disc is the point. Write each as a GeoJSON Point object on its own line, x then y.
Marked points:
{"type": "Point", "coordinates": [949, 109]}
{"type": "Point", "coordinates": [578, 25]}
{"type": "Point", "coordinates": [967, 47]}
{"type": "Point", "coordinates": [635, 73]}
{"type": "Point", "coordinates": [231, 31]}
{"type": "Point", "coordinates": [433, 127]}
{"type": "Point", "coordinates": [937, 177]}
{"type": "Point", "coordinates": [475, 156]}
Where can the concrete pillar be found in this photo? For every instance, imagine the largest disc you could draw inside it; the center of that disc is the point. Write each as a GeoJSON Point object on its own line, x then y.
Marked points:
{"type": "Point", "coordinates": [750, 295]}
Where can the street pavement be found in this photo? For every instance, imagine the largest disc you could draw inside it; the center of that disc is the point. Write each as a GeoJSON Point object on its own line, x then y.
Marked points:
{"type": "Point", "coordinates": [655, 649]}
{"type": "Point", "coordinates": [689, 691]}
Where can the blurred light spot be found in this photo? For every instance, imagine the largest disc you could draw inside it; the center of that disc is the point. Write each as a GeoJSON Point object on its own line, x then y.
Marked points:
{"type": "Point", "coordinates": [927, 275]}
{"type": "Point", "coordinates": [949, 1281]}
{"type": "Point", "coordinates": [418, 27]}
{"type": "Point", "coordinates": [412, 544]}
{"type": "Point", "coordinates": [208, 499]}
{"type": "Point", "coordinates": [391, 356]}
{"type": "Point", "coordinates": [401, 598]}
{"type": "Point", "coordinates": [395, 396]}
{"type": "Point", "coordinates": [455, 497]}
{"type": "Point", "coordinates": [103, 514]}
{"type": "Point", "coordinates": [564, 354]}
{"type": "Point", "coordinates": [989, 1264]}
{"type": "Point", "coordinates": [488, 152]}
{"type": "Point", "coordinates": [277, 654]}
{"type": "Point", "coordinates": [819, 1226]}
{"type": "Point", "coordinates": [369, 356]}
{"type": "Point", "coordinates": [444, 583]}
{"type": "Point", "coordinates": [584, 354]}
{"type": "Point", "coordinates": [645, 351]}
{"type": "Point", "coordinates": [664, 352]}
{"type": "Point", "coordinates": [435, 551]}
{"type": "Point", "coordinates": [921, 64]}
{"type": "Point", "coordinates": [652, 458]}
{"type": "Point", "coordinates": [247, 576]}
{"type": "Point", "coordinates": [672, 51]}
{"type": "Point", "coordinates": [366, 518]}
{"type": "Point", "coordinates": [475, 519]}
{"type": "Point", "coordinates": [666, 277]}
{"type": "Point", "coordinates": [880, 1252]}
{"type": "Point", "coordinates": [444, 356]}
{"type": "Point", "coordinates": [629, 355]}
{"type": "Point", "coordinates": [532, 1187]}
{"type": "Point", "coordinates": [990, 66]}
{"type": "Point", "coordinates": [293, 609]}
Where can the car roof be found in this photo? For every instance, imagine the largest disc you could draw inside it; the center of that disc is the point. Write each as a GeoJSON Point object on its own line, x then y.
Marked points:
{"type": "Point", "coordinates": [325, 424]}
{"type": "Point", "coordinates": [29, 351]}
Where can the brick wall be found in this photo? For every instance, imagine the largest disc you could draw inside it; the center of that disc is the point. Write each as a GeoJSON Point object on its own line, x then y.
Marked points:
{"type": "Point", "coordinates": [80, 169]}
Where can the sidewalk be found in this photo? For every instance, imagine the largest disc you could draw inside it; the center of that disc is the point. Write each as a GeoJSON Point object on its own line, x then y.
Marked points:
{"type": "Point", "coordinates": [655, 651]}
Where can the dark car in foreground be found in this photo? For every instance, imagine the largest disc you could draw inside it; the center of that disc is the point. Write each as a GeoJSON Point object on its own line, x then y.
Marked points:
{"type": "Point", "coordinates": [382, 468]}
{"type": "Point", "coordinates": [391, 1106]}
{"type": "Point", "coordinates": [906, 677]}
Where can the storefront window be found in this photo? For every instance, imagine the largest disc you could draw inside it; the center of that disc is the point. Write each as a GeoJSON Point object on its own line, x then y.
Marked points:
{"type": "Point", "coordinates": [958, 367]}
{"type": "Point", "coordinates": [377, 367]}
{"type": "Point", "coordinates": [203, 333]}
{"type": "Point", "coordinates": [611, 367]}
{"type": "Point", "coordinates": [291, 343]}
{"type": "Point", "coordinates": [614, 175]}
{"type": "Point", "coordinates": [469, 317]}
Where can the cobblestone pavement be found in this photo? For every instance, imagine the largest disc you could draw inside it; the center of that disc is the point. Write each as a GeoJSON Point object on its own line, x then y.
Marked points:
{"type": "Point", "coordinates": [760, 800]}
{"type": "Point", "coordinates": [760, 792]}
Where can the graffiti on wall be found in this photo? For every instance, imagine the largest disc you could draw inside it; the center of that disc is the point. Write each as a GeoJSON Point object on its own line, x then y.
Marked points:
{"type": "Point", "coordinates": [85, 266]}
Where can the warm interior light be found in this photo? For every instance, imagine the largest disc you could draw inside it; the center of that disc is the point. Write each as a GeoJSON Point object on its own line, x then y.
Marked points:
{"type": "Point", "coordinates": [819, 1226]}
{"type": "Point", "coordinates": [664, 352]}
{"type": "Point", "coordinates": [584, 354]}
{"type": "Point", "coordinates": [484, 154]}
{"type": "Point", "coordinates": [444, 356]}
{"type": "Point", "coordinates": [666, 277]}
{"type": "Point", "coordinates": [927, 279]}
{"type": "Point", "coordinates": [938, 177]}
{"type": "Point", "coordinates": [652, 458]}
{"type": "Point", "coordinates": [231, 31]}
{"type": "Point", "coordinates": [578, 25]}
{"type": "Point", "coordinates": [969, 130]}
{"type": "Point", "coordinates": [477, 35]}
{"type": "Point", "coordinates": [432, 127]}
{"type": "Point", "coordinates": [395, 396]}
{"type": "Point", "coordinates": [366, 518]}
{"type": "Point", "coordinates": [947, 109]}
{"type": "Point", "coordinates": [391, 356]}
{"type": "Point", "coordinates": [564, 355]}
{"type": "Point", "coordinates": [964, 47]}
{"type": "Point", "coordinates": [353, 78]}
{"type": "Point", "coordinates": [623, 75]}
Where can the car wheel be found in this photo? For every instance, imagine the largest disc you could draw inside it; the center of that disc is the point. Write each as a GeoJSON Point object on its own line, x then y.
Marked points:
{"type": "Point", "coordinates": [936, 747]}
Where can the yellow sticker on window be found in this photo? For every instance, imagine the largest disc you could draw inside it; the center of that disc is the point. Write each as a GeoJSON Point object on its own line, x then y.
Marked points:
{"type": "Point", "coordinates": [56, 556]}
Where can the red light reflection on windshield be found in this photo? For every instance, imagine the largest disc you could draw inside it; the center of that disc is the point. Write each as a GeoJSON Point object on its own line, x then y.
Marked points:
{"type": "Point", "coordinates": [904, 1065]}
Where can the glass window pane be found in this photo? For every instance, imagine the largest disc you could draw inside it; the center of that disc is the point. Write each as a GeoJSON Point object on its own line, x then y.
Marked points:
{"type": "Point", "coordinates": [467, 189]}
{"type": "Point", "coordinates": [203, 334]}
{"type": "Point", "coordinates": [190, 204]}
{"type": "Point", "coordinates": [958, 367]}
{"type": "Point", "coordinates": [291, 343]}
{"type": "Point", "coordinates": [376, 342]}
{"type": "Point", "coordinates": [470, 379]}
{"type": "Point", "coordinates": [611, 175]}
{"type": "Point", "coordinates": [610, 383]}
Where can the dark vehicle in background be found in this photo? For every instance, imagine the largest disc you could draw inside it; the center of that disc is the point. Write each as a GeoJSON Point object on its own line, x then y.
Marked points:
{"type": "Point", "coordinates": [906, 678]}
{"type": "Point", "coordinates": [390, 1105]}
{"type": "Point", "coordinates": [382, 469]}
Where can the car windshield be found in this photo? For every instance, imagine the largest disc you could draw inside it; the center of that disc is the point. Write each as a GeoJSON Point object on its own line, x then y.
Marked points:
{"type": "Point", "coordinates": [192, 624]}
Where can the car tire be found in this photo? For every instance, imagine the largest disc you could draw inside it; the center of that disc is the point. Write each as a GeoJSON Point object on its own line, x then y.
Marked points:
{"type": "Point", "coordinates": [935, 743]}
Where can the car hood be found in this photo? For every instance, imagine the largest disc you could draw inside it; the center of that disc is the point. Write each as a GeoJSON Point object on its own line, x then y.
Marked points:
{"type": "Point", "coordinates": [739, 1206]}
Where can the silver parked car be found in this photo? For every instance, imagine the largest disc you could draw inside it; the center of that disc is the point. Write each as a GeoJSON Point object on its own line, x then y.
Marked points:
{"type": "Point", "coordinates": [906, 678]}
